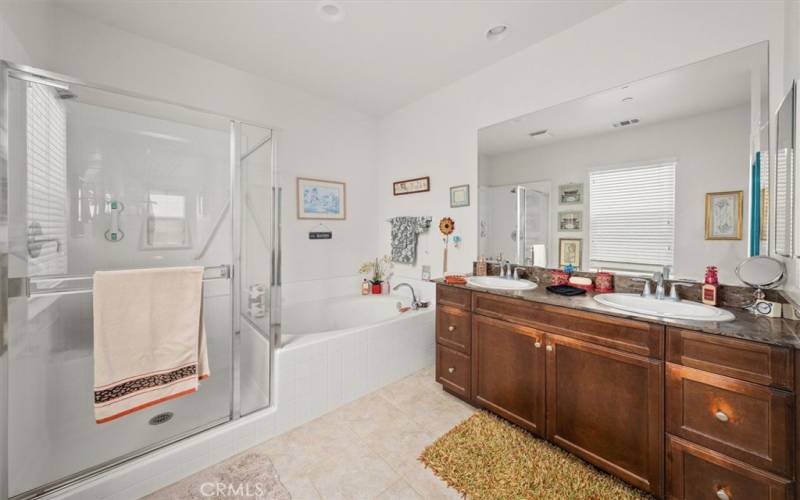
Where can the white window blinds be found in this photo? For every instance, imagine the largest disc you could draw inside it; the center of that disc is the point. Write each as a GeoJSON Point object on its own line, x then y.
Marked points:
{"type": "Point", "coordinates": [47, 181]}
{"type": "Point", "coordinates": [632, 217]}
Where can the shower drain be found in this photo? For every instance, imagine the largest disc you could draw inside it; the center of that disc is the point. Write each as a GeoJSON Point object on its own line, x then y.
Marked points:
{"type": "Point", "coordinates": [161, 418]}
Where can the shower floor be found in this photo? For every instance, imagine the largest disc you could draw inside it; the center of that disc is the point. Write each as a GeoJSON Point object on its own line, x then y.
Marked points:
{"type": "Point", "coordinates": [365, 449]}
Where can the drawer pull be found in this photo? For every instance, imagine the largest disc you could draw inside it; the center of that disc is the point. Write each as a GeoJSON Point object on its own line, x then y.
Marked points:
{"type": "Point", "coordinates": [549, 348]}
{"type": "Point", "coordinates": [537, 344]}
{"type": "Point", "coordinates": [451, 328]}
{"type": "Point", "coordinates": [451, 370]}
{"type": "Point", "coordinates": [722, 417]}
{"type": "Point", "coordinates": [722, 494]}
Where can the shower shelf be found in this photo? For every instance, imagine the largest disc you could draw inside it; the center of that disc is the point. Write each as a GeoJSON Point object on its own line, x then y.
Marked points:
{"type": "Point", "coordinates": [42, 286]}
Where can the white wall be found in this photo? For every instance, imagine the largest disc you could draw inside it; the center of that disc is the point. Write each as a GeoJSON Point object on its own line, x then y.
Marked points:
{"type": "Point", "coordinates": [712, 153]}
{"type": "Point", "coordinates": [437, 135]}
{"type": "Point", "coordinates": [315, 138]}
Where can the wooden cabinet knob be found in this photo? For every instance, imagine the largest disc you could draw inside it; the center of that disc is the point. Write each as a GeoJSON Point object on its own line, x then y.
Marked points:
{"type": "Point", "coordinates": [451, 328]}
{"type": "Point", "coordinates": [722, 494]}
{"type": "Point", "coordinates": [537, 344]}
{"type": "Point", "coordinates": [549, 348]}
{"type": "Point", "coordinates": [451, 370]}
{"type": "Point", "coordinates": [722, 417]}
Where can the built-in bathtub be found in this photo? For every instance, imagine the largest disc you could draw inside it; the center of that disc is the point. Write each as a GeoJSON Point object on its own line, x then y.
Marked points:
{"type": "Point", "coordinates": [334, 350]}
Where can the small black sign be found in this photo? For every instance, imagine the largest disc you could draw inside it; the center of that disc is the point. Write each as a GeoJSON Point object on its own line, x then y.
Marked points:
{"type": "Point", "coordinates": [320, 235]}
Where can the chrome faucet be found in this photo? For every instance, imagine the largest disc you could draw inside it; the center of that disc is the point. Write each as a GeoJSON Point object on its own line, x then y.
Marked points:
{"type": "Point", "coordinates": [658, 279]}
{"type": "Point", "coordinates": [415, 304]}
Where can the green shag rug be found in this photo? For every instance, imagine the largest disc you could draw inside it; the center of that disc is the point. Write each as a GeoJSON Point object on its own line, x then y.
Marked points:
{"type": "Point", "coordinates": [485, 457]}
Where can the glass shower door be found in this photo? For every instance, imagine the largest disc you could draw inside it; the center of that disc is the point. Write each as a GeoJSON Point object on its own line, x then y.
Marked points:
{"type": "Point", "coordinates": [99, 181]}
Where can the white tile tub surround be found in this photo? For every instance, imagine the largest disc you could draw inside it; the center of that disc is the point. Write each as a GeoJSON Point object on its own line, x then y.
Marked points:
{"type": "Point", "coordinates": [313, 377]}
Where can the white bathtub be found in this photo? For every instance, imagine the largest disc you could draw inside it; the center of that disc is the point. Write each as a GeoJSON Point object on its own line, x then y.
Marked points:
{"type": "Point", "coordinates": [341, 314]}
{"type": "Point", "coordinates": [337, 349]}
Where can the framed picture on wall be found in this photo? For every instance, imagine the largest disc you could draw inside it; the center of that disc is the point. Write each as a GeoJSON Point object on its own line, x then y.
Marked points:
{"type": "Point", "coordinates": [459, 196]}
{"type": "Point", "coordinates": [570, 194]}
{"type": "Point", "coordinates": [570, 221]}
{"type": "Point", "coordinates": [411, 186]}
{"type": "Point", "coordinates": [724, 215]}
{"type": "Point", "coordinates": [321, 199]}
{"type": "Point", "coordinates": [569, 252]}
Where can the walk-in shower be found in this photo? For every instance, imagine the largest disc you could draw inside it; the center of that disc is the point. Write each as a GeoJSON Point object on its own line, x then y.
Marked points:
{"type": "Point", "coordinates": [95, 179]}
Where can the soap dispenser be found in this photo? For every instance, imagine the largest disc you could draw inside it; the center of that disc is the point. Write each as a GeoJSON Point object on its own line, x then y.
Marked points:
{"type": "Point", "coordinates": [711, 286]}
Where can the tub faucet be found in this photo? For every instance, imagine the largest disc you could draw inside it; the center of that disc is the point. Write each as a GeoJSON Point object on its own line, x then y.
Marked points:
{"type": "Point", "coordinates": [415, 304]}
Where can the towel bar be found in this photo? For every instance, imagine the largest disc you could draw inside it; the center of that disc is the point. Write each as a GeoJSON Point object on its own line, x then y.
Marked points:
{"type": "Point", "coordinates": [41, 286]}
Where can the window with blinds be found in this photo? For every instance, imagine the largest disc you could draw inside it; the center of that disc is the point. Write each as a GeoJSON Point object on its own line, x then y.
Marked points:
{"type": "Point", "coordinates": [47, 181]}
{"type": "Point", "coordinates": [632, 217]}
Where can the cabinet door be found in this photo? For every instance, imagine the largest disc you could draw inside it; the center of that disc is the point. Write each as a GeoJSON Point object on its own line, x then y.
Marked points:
{"type": "Point", "coordinates": [606, 407]}
{"type": "Point", "coordinates": [508, 371]}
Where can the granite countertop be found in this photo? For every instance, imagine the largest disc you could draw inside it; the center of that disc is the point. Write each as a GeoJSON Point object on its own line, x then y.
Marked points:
{"type": "Point", "coordinates": [775, 331]}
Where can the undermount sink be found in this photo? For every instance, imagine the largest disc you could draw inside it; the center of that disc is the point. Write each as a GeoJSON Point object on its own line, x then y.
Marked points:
{"type": "Point", "coordinates": [668, 309]}
{"type": "Point", "coordinates": [495, 283]}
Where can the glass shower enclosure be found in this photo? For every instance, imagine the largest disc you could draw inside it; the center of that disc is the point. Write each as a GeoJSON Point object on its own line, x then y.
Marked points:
{"type": "Point", "coordinates": [97, 179]}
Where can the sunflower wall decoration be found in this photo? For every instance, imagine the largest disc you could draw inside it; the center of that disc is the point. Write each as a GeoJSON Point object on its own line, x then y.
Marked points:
{"type": "Point", "coordinates": [446, 227]}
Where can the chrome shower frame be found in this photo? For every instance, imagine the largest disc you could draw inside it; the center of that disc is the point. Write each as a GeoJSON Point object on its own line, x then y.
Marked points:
{"type": "Point", "coordinates": [23, 72]}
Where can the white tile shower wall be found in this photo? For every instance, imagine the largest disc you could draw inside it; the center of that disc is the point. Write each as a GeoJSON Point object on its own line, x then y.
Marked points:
{"type": "Point", "coordinates": [311, 380]}
{"type": "Point", "coordinates": [437, 135]}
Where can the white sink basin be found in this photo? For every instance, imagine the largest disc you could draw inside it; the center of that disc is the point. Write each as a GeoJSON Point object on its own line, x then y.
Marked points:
{"type": "Point", "coordinates": [668, 309]}
{"type": "Point", "coordinates": [495, 283]}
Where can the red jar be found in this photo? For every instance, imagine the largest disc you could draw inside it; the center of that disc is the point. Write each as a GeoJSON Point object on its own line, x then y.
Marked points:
{"type": "Point", "coordinates": [377, 288]}
{"type": "Point", "coordinates": [604, 282]}
{"type": "Point", "coordinates": [559, 277]}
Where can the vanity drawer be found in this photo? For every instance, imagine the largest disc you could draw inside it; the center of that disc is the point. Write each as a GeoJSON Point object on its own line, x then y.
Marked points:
{"type": "Point", "coordinates": [452, 370]}
{"type": "Point", "coordinates": [454, 328]}
{"type": "Point", "coordinates": [746, 421]}
{"type": "Point", "coordinates": [453, 297]}
{"type": "Point", "coordinates": [742, 359]}
{"type": "Point", "coordinates": [694, 472]}
{"type": "Point", "coordinates": [638, 337]}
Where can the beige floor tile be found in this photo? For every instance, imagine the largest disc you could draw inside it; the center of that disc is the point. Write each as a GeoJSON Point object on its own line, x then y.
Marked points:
{"type": "Point", "coordinates": [399, 441]}
{"type": "Point", "coordinates": [300, 488]}
{"type": "Point", "coordinates": [400, 490]}
{"type": "Point", "coordinates": [425, 482]}
{"type": "Point", "coordinates": [356, 474]}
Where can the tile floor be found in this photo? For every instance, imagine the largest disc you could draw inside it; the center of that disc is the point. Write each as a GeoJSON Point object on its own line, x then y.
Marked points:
{"type": "Point", "coordinates": [367, 449]}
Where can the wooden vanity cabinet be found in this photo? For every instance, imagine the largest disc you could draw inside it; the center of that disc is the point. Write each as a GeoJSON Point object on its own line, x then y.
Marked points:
{"type": "Point", "coordinates": [675, 412]}
{"type": "Point", "coordinates": [508, 372]}
{"type": "Point", "coordinates": [605, 406]}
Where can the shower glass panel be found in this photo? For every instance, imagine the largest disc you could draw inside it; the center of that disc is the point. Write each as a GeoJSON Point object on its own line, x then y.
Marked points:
{"type": "Point", "coordinates": [103, 181]}
{"type": "Point", "coordinates": [255, 154]}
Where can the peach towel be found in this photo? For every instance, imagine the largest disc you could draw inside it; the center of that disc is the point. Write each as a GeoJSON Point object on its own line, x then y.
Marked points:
{"type": "Point", "coordinates": [149, 338]}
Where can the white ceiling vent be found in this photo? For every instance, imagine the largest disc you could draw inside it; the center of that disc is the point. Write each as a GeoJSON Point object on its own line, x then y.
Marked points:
{"type": "Point", "coordinates": [625, 123]}
{"type": "Point", "coordinates": [540, 134]}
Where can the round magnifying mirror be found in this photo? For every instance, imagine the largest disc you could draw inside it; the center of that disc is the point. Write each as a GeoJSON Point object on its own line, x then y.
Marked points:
{"type": "Point", "coordinates": [761, 272]}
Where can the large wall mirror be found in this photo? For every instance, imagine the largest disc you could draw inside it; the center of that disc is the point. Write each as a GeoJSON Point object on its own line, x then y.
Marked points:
{"type": "Point", "coordinates": [670, 170]}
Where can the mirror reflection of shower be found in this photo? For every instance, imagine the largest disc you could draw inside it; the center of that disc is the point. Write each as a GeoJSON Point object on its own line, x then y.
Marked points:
{"type": "Point", "coordinates": [513, 222]}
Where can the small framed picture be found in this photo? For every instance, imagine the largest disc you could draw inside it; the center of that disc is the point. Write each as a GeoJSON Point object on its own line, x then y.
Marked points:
{"type": "Point", "coordinates": [319, 199]}
{"type": "Point", "coordinates": [569, 252]}
{"type": "Point", "coordinates": [459, 196]}
{"type": "Point", "coordinates": [724, 215]}
{"type": "Point", "coordinates": [410, 186]}
{"type": "Point", "coordinates": [570, 221]}
{"type": "Point", "coordinates": [570, 194]}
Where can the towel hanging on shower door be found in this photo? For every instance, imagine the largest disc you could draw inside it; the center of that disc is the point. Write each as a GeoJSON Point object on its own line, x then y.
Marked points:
{"type": "Point", "coordinates": [149, 339]}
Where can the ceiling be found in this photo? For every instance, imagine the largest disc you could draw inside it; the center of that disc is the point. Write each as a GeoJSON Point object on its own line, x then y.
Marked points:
{"type": "Point", "coordinates": [380, 56]}
{"type": "Point", "coordinates": [713, 84]}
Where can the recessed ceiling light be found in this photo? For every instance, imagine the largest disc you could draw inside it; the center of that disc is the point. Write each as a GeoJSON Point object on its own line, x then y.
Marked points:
{"type": "Point", "coordinates": [497, 32]}
{"type": "Point", "coordinates": [330, 11]}
{"type": "Point", "coordinates": [627, 99]}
